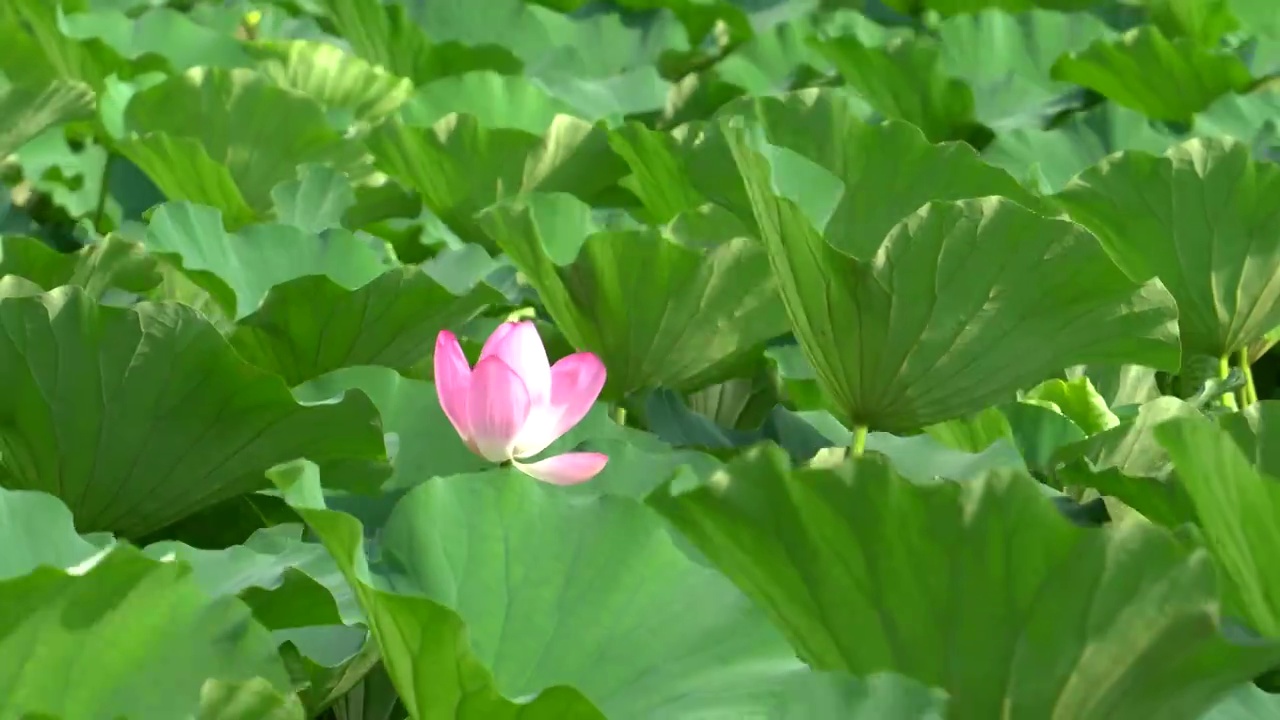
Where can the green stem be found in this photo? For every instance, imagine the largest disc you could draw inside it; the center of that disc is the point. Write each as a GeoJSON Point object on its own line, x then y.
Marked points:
{"type": "Point", "coordinates": [859, 440]}
{"type": "Point", "coordinates": [1249, 393]}
{"type": "Point", "coordinates": [103, 193]}
{"type": "Point", "coordinates": [1224, 369]}
{"type": "Point", "coordinates": [619, 414]}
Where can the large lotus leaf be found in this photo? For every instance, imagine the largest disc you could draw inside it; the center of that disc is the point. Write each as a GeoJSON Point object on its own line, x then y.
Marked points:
{"type": "Point", "coordinates": [1259, 20]}
{"type": "Point", "coordinates": [183, 170]}
{"type": "Point", "coordinates": [254, 699]}
{"type": "Point", "coordinates": [328, 661]}
{"type": "Point", "coordinates": [1128, 463]}
{"type": "Point", "coordinates": [1076, 400]}
{"type": "Point", "coordinates": [649, 625]}
{"type": "Point", "coordinates": [660, 306]}
{"type": "Point", "coordinates": [385, 36]}
{"type": "Point", "coordinates": [312, 325]}
{"type": "Point", "coordinates": [1040, 426]}
{"type": "Point", "coordinates": [1048, 159]}
{"type": "Point", "coordinates": [36, 49]}
{"type": "Point", "coordinates": [804, 694]}
{"type": "Point", "coordinates": [159, 32]}
{"type": "Point", "coordinates": [70, 176]}
{"type": "Point", "coordinates": [514, 102]}
{"type": "Point", "coordinates": [962, 7]}
{"type": "Point", "coordinates": [317, 200]}
{"type": "Point", "coordinates": [962, 304]}
{"type": "Point", "coordinates": [780, 57]}
{"type": "Point", "coordinates": [1257, 17]}
{"type": "Point", "coordinates": [1235, 506]}
{"type": "Point", "coordinates": [665, 168]}
{"type": "Point", "coordinates": [1039, 433]}
{"type": "Point", "coordinates": [667, 416]}
{"type": "Point", "coordinates": [295, 590]}
{"type": "Point", "coordinates": [632, 91]}
{"type": "Point", "coordinates": [96, 268]}
{"type": "Point", "coordinates": [194, 133]}
{"type": "Point", "coordinates": [154, 640]}
{"type": "Point", "coordinates": [461, 167]}
{"type": "Point", "coordinates": [1254, 430]}
{"type": "Point", "coordinates": [700, 17]}
{"type": "Point", "coordinates": [973, 433]}
{"type": "Point", "coordinates": [552, 45]}
{"type": "Point", "coordinates": [373, 698]}
{"type": "Point", "coordinates": [889, 170]}
{"type": "Point", "coordinates": [1006, 59]}
{"type": "Point", "coordinates": [1252, 118]}
{"type": "Point", "coordinates": [1202, 219]}
{"type": "Point", "coordinates": [38, 531]}
{"type": "Point", "coordinates": [350, 88]}
{"type": "Point", "coordinates": [79, 174]}
{"type": "Point", "coordinates": [530, 104]}
{"type": "Point", "coordinates": [1203, 21]}
{"type": "Point", "coordinates": [981, 588]}
{"type": "Point", "coordinates": [740, 403]}
{"type": "Point", "coordinates": [1246, 703]}
{"type": "Point", "coordinates": [1123, 387]}
{"type": "Point", "coordinates": [18, 286]}
{"type": "Point", "coordinates": [138, 417]}
{"type": "Point", "coordinates": [239, 269]}
{"type": "Point", "coordinates": [1164, 79]}
{"type": "Point", "coordinates": [501, 101]}
{"type": "Point", "coordinates": [923, 458]}
{"type": "Point", "coordinates": [425, 645]}
{"type": "Point", "coordinates": [29, 108]}
{"type": "Point", "coordinates": [115, 97]}
{"type": "Point", "coordinates": [271, 563]}
{"type": "Point", "coordinates": [769, 61]}
{"type": "Point", "coordinates": [905, 80]}
{"type": "Point", "coordinates": [654, 634]}
{"type": "Point", "coordinates": [230, 522]}
{"type": "Point", "coordinates": [395, 213]}
{"type": "Point", "coordinates": [410, 409]}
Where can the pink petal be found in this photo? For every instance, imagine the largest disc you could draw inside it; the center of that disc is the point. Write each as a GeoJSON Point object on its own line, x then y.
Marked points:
{"type": "Point", "coordinates": [567, 469]}
{"type": "Point", "coordinates": [495, 337]}
{"type": "Point", "coordinates": [453, 382]}
{"type": "Point", "coordinates": [497, 408]}
{"type": "Point", "coordinates": [521, 349]}
{"type": "Point", "coordinates": [576, 382]}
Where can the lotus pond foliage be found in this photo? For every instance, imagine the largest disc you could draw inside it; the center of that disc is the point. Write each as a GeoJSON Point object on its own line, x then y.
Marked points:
{"type": "Point", "coordinates": [639, 359]}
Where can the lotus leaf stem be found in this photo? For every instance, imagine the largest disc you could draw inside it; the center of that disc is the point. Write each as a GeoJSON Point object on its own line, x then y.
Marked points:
{"type": "Point", "coordinates": [1224, 370]}
{"type": "Point", "coordinates": [859, 443]}
{"type": "Point", "coordinates": [1249, 393]}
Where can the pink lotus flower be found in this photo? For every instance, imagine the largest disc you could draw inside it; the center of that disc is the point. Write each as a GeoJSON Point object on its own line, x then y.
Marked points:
{"type": "Point", "coordinates": [515, 403]}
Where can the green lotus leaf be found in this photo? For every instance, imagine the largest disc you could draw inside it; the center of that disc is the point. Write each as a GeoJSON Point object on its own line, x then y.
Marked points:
{"type": "Point", "coordinates": [980, 588]}
{"type": "Point", "coordinates": [139, 417]}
